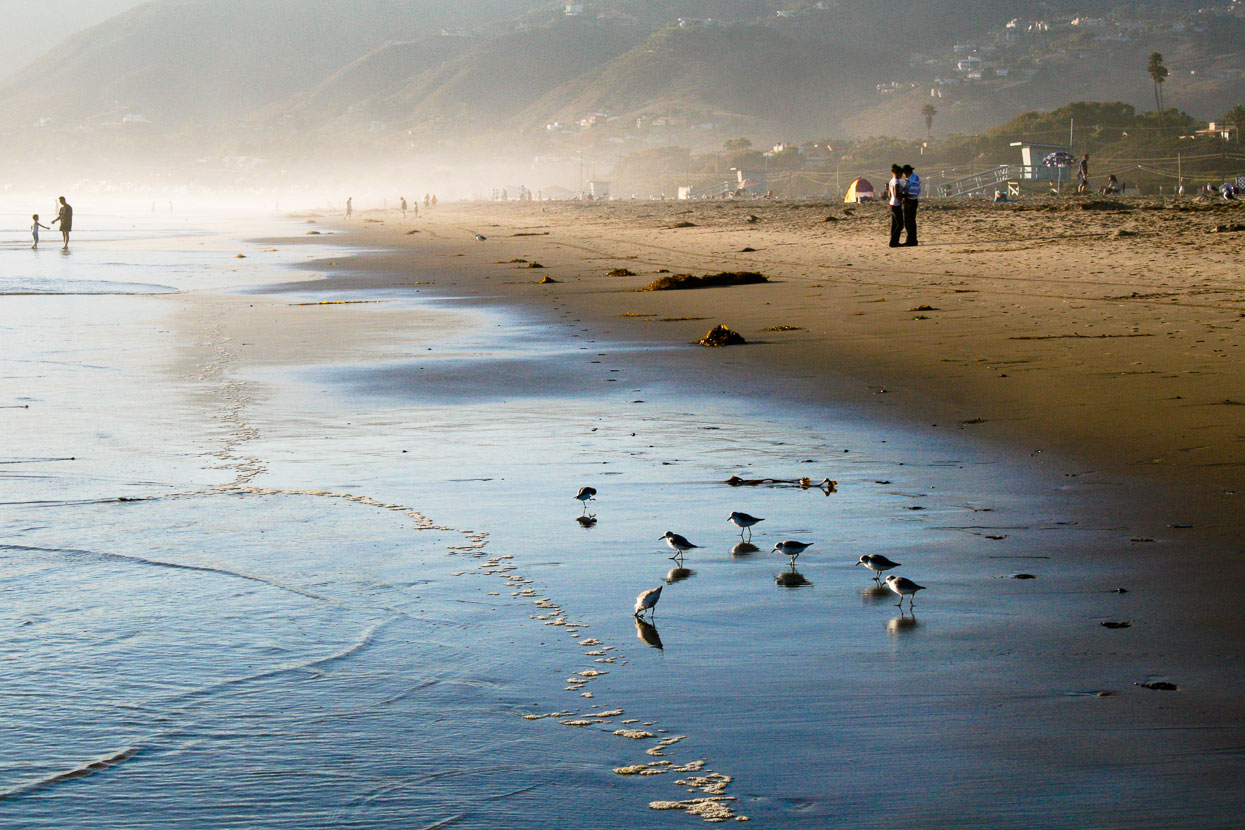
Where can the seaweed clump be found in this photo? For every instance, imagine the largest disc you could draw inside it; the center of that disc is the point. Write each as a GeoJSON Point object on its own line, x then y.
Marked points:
{"type": "Point", "coordinates": [678, 282]}
{"type": "Point", "coordinates": [720, 335]}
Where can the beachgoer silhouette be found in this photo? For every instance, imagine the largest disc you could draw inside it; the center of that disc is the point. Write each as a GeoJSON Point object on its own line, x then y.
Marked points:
{"type": "Point", "coordinates": [349, 206]}
{"type": "Point", "coordinates": [894, 197]}
{"type": "Point", "coordinates": [64, 215]}
{"type": "Point", "coordinates": [34, 229]}
{"type": "Point", "coordinates": [404, 206]}
{"type": "Point", "coordinates": [911, 198]}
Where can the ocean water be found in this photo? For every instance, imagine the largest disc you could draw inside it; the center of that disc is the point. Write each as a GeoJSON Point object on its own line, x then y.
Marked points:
{"type": "Point", "coordinates": [355, 591]}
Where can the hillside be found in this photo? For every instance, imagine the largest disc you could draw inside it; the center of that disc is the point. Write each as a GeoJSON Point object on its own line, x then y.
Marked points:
{"type": "Point", "coordinates": [465, 85]}
{"type": "Point", "coordinates": [266, 78]}
{"type": "Point", "coordinates": [737, 76]}
{"type": "Point", "coordinates": [179, 61]}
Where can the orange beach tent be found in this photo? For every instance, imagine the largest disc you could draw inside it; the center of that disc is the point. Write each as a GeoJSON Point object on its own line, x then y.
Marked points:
{"type": "Point", "coordinates": [860, 191]}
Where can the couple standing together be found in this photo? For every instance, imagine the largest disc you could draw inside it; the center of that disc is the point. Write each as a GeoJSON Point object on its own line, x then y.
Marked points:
{"type": "Point", "coordinates": [903, 192]}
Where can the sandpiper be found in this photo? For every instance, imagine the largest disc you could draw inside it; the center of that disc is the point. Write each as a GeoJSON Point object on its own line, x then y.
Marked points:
{"type": "Point", "coordinates": [743, 521]}
{"type": "Point", "coordinates": [877, 563]}
{"type": "Point", "coordinates": [904, 587]}
{"type": "Point", "coordinates": [791, 547]}
{"type": "Point", "coordinates": [647, 601]}
{"type": "Point", "coordinates": [585, 495]}
{"type": "Point", "coordinates": [678, 543]}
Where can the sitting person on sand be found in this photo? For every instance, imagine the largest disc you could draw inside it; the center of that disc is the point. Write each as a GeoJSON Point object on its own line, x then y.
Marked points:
{"type": "Point", "coordinates": [34, 230]}
{"type": "Point", "coordinates": [1112, 186]}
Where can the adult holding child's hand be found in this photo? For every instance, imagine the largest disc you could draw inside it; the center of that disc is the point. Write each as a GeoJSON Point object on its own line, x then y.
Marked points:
{"type": "Point", "coordinates": [65, 217]}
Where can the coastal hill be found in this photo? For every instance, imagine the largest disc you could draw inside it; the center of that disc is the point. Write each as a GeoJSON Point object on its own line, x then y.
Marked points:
{"type": "Point", "coordinates": [191, 62]}
{"type": "Point", "coordinates": [204, 74]}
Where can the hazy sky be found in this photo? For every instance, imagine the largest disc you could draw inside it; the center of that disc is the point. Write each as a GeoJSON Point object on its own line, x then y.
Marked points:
{"type": "Point", "coordinates": [28, 28]}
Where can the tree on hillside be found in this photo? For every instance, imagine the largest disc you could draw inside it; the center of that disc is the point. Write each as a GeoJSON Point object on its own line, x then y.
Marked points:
{"type": "Point", "coordinates": [929, 111]}
{"type": "Point", "coordinates": [1158, 74]}
{"type": "Point", "coordinates": [1236, 118]}
{"type": "Point", "coordinates": [736, 145]}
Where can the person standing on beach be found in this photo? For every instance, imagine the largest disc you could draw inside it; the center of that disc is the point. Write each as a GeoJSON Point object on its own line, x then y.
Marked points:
{"type": "Point", "coordinates": [34, 230]}
{"type": "Point", "coordinates": [894, 197]}
{"type": "Point", "coordinates": [64, 215]}
{"type": "Point", "coordinates": [911, 197]}
{"type": "Point", "coordinates": [349, 206]}
{"type": "Point", "coordinates": [1082, 175]}
{"type": "Point", "coordinates": [404, 207]}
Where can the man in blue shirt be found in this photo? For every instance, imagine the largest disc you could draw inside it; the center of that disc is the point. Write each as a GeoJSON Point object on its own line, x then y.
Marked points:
{"type": "Point", "coordinates": [912, 196]}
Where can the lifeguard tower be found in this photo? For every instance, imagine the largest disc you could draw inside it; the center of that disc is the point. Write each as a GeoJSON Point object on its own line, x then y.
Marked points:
{"type": "Point", "coordinates": [1030, 174]}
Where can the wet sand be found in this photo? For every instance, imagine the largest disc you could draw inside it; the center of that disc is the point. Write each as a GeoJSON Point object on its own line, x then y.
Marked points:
{"type": "Point", "coordinates": [1084, 385]}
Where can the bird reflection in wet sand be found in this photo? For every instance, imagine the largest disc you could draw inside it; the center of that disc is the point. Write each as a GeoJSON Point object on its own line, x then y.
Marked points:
{"type": "Point", "coordinates": [586, 520]}
{"type": "Point", "coordinates": [876, 594]}
{"type": "Point", "coordinates": [647, 632]}
{"type": "Point", "coordinates": [678, 574]}
{"type": "Point", "coordinates": [902, 623]}
{"type": "Point", "coordinates": [791, 578]}
{"type": "Point", "coordinates": [744, 549]}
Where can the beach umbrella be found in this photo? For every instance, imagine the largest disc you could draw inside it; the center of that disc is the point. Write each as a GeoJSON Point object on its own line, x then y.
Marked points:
{"type": "Point", "coordinates": [1059, 159]}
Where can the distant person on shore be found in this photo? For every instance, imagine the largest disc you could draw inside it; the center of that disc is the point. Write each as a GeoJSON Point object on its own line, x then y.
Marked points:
{"type": "Point", "coordinates": [427, 200]}
{"type": "Point", "coordinates": [911, 198]}
{"type": "Point", "coordinates": [1082, 175]}
{"type": "Point", "coordinates": [34, 229]}
{"type": "Point", "coordinates": [434, 200]}
{"type": "Point", "coordinates": [404, 207]}
{"type": "Point", "coordinates": [894, 197]}
{"type": "Point", "coordinates": [64, 215]}
{"type": "Point", "coordinates": [349, 206]}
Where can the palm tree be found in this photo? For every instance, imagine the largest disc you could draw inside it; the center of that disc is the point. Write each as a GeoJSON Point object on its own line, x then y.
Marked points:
{"type": "Point", "coordinates": [1158, 74]}
{"type": "Point", "coordinates": [929, 111]}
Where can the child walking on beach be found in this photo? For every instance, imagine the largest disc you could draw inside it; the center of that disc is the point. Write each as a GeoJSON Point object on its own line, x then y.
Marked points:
{"type": "Point", "coordinates": [34, 230]}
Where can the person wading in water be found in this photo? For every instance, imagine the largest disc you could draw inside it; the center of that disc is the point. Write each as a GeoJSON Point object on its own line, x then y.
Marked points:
{"type": "Point", "coordinates": [65, 217]}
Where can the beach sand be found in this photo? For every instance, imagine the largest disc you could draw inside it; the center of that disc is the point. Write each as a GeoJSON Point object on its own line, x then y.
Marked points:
{"type": "Point", "coordinates": [402, 619]}
{"type": "Point", "coordinates": [1107, 332]}
{"type": "Point", "coordinates": [1093, 346]}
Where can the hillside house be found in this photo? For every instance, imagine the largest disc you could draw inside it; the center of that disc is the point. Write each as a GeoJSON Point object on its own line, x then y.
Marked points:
{"type": "Point", "coordinates": [1218, 129]}
{"type": "Point", "coordinates": [969, 64]}
{"type": "Point", "coordinates": [573, 9]}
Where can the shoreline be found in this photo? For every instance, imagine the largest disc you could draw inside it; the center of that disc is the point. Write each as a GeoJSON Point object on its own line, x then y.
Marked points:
{"type": "Point", "coordinates": [1136, 527]}
{"type": "Point", "coordinates": [1052, 358]}
{"type": "Point", "coordinates": [330, 432]}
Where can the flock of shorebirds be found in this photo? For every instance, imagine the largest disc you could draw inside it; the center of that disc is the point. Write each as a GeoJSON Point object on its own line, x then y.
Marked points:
{"type": "Point", "coordinates": [875, 562]}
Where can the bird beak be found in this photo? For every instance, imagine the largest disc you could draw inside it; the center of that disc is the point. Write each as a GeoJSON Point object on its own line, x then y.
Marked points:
{"type": "Point", "coordinates": [855, 564]}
